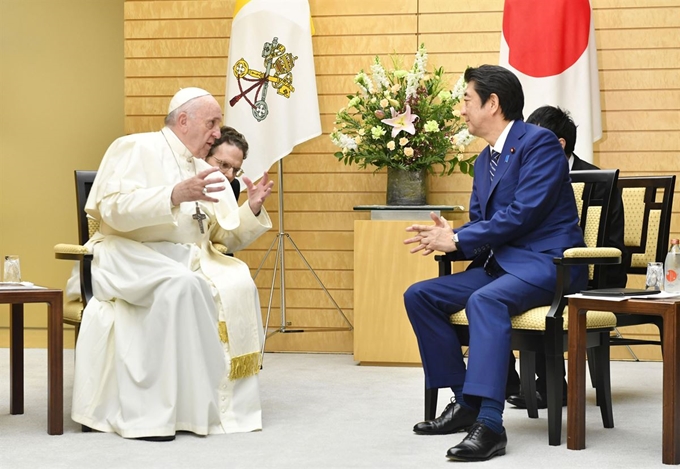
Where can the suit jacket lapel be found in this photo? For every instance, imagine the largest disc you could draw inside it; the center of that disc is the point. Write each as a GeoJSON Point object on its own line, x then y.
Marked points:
{"type": "Point", "coordinates": [509, 153]}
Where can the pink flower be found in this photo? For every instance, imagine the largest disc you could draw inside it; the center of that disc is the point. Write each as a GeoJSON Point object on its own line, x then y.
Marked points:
{"type": "Point", "coordinates": [401, 122]}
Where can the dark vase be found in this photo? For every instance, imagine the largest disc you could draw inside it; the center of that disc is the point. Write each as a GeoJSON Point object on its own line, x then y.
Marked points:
{"type": "Point", "coordinates": [406, 187]}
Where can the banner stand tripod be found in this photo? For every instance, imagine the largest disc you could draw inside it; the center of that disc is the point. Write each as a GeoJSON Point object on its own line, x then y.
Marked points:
{"type": "Point", "coordinates": [280, 267]}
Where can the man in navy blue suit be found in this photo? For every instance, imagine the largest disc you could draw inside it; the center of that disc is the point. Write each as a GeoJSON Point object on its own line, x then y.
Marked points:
{"type": "Point", "coordinates": [522, 215]}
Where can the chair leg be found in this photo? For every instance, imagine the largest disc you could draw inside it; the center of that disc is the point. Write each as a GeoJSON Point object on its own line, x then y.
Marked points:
{"type": "Point", "coordinates": [603, 381]}
{"type": "Point", "coordinates": [554, 398]}
{"type": "Point", "coordinates": [527, 372]}
{"type": "Point", "coordinates": [591, 367]}
{"type": "Point", "coordinates": [431, 403]}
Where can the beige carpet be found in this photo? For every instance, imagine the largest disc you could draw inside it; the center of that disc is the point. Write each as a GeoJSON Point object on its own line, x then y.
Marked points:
{"type": "Point", "coordinates": [324, 411]}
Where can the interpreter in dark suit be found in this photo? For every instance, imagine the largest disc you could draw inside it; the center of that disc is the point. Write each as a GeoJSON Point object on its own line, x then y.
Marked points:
{"type": "Point", "coordinates": [561, 124]}
{"type": "Point", "coordinates": [228, 153]}
{"type": "Point", "coordinates": [522, 215]}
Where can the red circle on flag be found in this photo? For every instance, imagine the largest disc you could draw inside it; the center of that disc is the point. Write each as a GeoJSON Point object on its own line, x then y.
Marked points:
{"type": "Point", "coordinates": [545, 37]}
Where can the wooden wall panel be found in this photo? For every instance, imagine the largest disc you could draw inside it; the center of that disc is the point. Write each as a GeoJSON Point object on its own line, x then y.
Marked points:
{"type": "Point", "coordinates": [619, 103]}
{"type": "Point", "coordinates": [171, 44]}
{"type": "Point", "coordinates": [186, 9]}
{"type": "Point", "coordinates": [212, 47]}
{"type": "Point", "coordinates": [372, 45]}
{"type": "Point", "coordinates": [379, 25]}
{"type": "Point", "coordinates": [353, 8]}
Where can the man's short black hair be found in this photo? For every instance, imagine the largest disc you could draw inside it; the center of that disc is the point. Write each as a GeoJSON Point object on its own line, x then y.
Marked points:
{"type": "Point", "coordinates": [559, 121]}
{"type": "Point", "coordinates": [503, 83]}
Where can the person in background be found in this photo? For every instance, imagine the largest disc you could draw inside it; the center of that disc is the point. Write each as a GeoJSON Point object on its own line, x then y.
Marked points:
{"type": "Point", "coordinates": [561, 124]}
{"type": "Point", "coordinates": [522, 215]}
{"type": "Point", "coordinates": [227, 153]}
{"type": "Point", "coordinates": [171, 340]}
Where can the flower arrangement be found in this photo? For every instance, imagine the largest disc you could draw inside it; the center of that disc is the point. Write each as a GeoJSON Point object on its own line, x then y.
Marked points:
{"type": "Point", "coordinates": [403, 119]}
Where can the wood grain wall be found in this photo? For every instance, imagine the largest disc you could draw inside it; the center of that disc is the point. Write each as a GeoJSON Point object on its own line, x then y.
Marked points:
{"type": "Point", "coordinates": [172, 43]}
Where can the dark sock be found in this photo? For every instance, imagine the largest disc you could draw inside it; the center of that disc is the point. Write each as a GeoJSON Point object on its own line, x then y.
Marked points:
{"type": "Point", "coordinates": [458, 393]}
{"type": "Point", "coordinates": [491, 414]}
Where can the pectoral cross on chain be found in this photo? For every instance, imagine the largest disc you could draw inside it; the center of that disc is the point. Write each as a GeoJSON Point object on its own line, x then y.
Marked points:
{"type": "Point", "coordinates": [199, 217]}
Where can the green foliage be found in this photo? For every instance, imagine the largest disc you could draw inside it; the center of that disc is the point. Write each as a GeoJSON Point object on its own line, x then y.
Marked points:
{"type": "Point", "coordinates": [404, 119]}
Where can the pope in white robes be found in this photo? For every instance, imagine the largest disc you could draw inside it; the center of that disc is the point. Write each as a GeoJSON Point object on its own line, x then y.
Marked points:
{"type": "Point", "coordinates": [171, 340]}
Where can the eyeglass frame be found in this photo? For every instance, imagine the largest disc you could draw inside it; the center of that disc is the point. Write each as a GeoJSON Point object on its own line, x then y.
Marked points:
{"type": "Point", "coordinates": [237, 172]}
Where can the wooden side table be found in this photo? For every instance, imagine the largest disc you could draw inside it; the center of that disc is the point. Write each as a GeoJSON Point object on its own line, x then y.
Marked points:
{"type": "Point", "coordinates": [55, 347]}
{"type": "Point", "coordinates": [669, 310]}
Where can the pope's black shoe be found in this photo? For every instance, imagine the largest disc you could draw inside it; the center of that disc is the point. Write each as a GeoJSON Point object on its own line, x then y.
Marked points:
{"type": "Point", "coordinates": [455, 418]}
{"type": "Point", "coordinates": [480, 444]}
{"type": "Point", "coordinates": [156, 438]}
{"type": "Point", "coordinates": [519, 401]}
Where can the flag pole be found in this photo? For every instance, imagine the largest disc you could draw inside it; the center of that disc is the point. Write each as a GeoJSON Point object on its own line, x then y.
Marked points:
{"type": "Point", "coordinates": [280, 268]}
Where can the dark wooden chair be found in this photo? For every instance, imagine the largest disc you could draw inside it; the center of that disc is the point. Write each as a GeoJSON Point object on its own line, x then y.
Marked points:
{"type": "Point", "coordinates": [73, 310]}
{"type": "Point", "coordinates": [647, 209]}
{"type": "Point", "coordinates": [544, 329]}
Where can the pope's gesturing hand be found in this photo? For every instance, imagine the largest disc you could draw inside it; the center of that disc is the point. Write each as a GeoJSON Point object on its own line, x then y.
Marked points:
{"type": "Point", "coordinates": [257, 193]}
{"type": "Point", "coordinates": [197, 188]}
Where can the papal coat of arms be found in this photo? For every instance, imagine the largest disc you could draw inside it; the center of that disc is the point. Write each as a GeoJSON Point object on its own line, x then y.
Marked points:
{"type": "Point", "coordinates": [277, 71]}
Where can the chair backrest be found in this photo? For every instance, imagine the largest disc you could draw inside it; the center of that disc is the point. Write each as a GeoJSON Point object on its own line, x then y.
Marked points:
{"type": "Point", "coordinates": [86, 227]}
{"type": "Point", "coordinates": [647, 209]}
{"type": "Point", "coordinates": [593, 190]}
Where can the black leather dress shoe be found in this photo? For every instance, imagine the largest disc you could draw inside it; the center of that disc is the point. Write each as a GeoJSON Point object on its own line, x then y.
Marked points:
{"type": "Point", "coordinates": [520, 402]}
{"type": "Point", "coordinates": [156, 438]}
{"type": "Point", "coordinates": [455, 418]}
{"type": "Point", "coordinates": [480, 444]}
{"type": "Point", "coordinates": [512, 389]}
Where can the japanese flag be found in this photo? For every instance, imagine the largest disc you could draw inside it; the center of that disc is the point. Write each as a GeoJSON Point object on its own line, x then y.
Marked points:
{"type": "Point", "coordinates": [550, 46]}
{"type": "Point", "coordinates": [271, 84]}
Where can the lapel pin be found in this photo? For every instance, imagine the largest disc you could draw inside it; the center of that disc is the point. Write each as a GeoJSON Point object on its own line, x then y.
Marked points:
{"type": "Point", "coordinates": [512, 150]}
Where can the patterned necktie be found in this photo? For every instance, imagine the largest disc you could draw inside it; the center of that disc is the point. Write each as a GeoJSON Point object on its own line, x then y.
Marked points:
{"type": "Point", "coordinates": [493, 164]}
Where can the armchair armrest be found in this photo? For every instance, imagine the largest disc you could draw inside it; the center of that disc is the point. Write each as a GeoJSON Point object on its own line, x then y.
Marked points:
{"type": "Point", "coordinates": [597, 256]}
{"type": "Point", "coordinates": [77, 252]}
{"type": "Point", "coordinates": [73, 252]}
{"type": "Point", "coordinates": [577, 256]}
{"type": "Point", "coordinates": [444, 264]}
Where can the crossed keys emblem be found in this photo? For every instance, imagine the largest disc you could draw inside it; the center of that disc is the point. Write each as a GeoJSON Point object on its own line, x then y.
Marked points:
{"type": "Point", "coordinates": [278, 65]}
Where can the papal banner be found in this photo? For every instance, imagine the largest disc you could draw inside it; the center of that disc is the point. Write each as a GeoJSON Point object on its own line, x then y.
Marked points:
{"type": "Point", "coordinates": [271, 85]}
{"type": "Point", "coordinates": [550, 46]}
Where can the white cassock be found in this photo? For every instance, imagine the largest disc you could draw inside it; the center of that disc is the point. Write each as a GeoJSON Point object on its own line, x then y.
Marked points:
{"type": "Point", "coordinates": [171, 340]}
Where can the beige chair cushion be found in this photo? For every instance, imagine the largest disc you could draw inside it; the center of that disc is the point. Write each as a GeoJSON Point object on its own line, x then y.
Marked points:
{"type": "Point", "coordinates": [534, 319]}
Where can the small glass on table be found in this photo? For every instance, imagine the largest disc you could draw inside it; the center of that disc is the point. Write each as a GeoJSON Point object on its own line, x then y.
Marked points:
{"type": "Point", "coordinates": [12, 270]}
{"type": "Point", "coordinates": [654, 276]}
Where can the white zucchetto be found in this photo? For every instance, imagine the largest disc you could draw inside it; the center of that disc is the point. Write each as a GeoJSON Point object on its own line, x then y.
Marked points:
{"type": "Point", "coordinates": [185, 95]}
